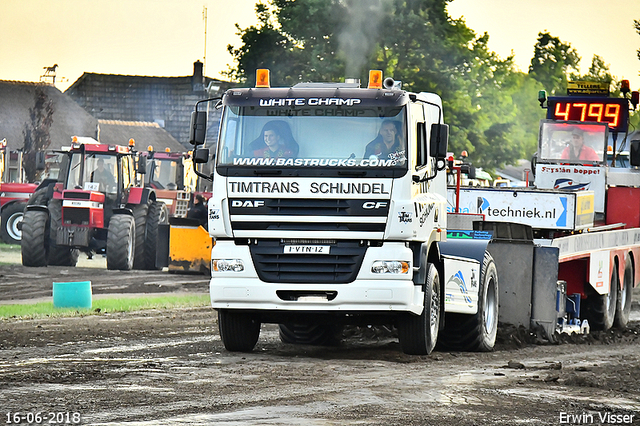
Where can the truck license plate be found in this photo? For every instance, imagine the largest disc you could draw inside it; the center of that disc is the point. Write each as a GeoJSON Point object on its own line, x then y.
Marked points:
{"type": "Point", "coordinates": [306, 249]}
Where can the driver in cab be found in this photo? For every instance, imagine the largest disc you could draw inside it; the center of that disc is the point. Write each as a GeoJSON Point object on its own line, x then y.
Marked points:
{"type": "Point", "coordinates": [387, 145]}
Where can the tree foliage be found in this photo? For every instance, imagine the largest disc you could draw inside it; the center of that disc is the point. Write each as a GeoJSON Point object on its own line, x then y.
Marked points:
{"type": "Point", "coordinates": [36, 133]}
{"type": "Point", "coordinates": [490, 106]}
{"type": "Point", "coordinates": [552, 61]}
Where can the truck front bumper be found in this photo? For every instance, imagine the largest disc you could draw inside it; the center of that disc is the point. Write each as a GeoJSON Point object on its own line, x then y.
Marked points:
{"type": "Point", "coordinates": [368, 292]}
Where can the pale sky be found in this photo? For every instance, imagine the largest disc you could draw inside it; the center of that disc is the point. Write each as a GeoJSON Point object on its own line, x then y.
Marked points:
{"type": "Point", "coordinates": [164, 37]}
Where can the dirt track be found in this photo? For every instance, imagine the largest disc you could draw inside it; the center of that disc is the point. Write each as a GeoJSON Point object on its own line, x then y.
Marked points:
{"type": "Point", "coordinates": [168, 367]}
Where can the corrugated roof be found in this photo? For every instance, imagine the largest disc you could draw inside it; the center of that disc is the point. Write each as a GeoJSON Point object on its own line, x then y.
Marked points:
{"type": "Point", "coordinates": [68, 117]}
{"type": "Point", "coordinates": [143, 132]}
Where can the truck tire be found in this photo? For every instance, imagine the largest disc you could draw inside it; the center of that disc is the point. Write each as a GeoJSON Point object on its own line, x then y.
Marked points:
{"type": "Point", "coordinates": [35, 238]}
{"type": "Point", "coordinates": [600, 309]}
{"type": "Point", "coordinates": [623, 304]}
{"type": "Point", "coordinates": [418, 334]}
{"type": "Point", "coordinates": [11, 217]}
{"type": "Point", "coordinates": [311, 334]}
{"type": "Point", "coordinates": [140, 219]}
{"type": "Point", "coordinates": [239, 331]}
{"type": "Point", "coordinates": [59, 255]}
{"type": "Point", "coordinates": [476, 333]}
{"type": "Point", "coordinates": [151, 235]}
{"type": "Point", "coordinates": [120, 242]}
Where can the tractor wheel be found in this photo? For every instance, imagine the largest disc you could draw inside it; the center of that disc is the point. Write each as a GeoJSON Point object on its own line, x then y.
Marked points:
{"type": "Point", "coordinates": [11, 217]}
{"type": "Point", "coordinates": [140, 219]}
{"type": "Point", "coordinates": [35, 238]}
{"type": "Point", "coordinates": [623, 305]}
{"type": "Point", "coordinates": [418, 334]}
{"type": "Point", "coordinates": [120, 242]}
{"type": "Point", "coordinates": [59, 255]}
{"type": "Point", "coordinates": [151, 236]}
{"type": "Point", "coordinates": [476, 332]}
{"type": "Point", "coordinates": [39, 198]}
{"type": "Point", "coordinates": [600, 309]}
{"type": "Point", "coordinates": [239, 330]}
{"type": "Point", "coordinates": [311, 334]}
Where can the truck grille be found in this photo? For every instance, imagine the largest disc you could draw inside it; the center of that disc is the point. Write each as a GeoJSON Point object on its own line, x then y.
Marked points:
{"type": "Point", "coordinates": [287, 214]}
{"type": "Point", "coordinates": [340, 266]}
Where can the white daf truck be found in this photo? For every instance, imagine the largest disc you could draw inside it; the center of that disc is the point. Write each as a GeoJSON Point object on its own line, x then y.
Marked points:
{"type": "Point", "coordinates": [329, 208]}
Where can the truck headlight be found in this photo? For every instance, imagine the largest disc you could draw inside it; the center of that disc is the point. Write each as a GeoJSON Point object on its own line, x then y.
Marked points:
{"type": "Point", "coordinates": [390, 267]}
{"type": "Point", "coordinates": [227, 265]}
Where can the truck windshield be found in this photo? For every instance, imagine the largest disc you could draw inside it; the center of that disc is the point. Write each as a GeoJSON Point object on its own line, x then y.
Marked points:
{"type": "Point", "coordinates": [572, 142]}
{"type": "Point", "coordinates": [308, 138]}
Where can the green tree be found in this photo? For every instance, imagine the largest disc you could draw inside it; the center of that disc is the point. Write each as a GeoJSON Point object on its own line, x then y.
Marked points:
{"type": "Point", "coordinates": [414, 41]}
{"type": "Point", "coordinates": [552, 62]}
{"type": "Point", "coordinates": [36, 133]}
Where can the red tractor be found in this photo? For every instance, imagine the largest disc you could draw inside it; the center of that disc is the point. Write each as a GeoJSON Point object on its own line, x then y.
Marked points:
{"type": "Point", "coordinates": [171, 176]}
{"type": "Point", "coordinates": [13, 194]}
{"type": "Point", "coordinates": [96, 206]}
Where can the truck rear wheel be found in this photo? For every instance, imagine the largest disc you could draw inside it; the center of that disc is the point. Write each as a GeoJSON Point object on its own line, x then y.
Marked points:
{"type": "Point", "coordinates": [418, 334]}
{"type": "Point", "coordinates": [476, 332]}
{"type": "Point", "coordinates": [623, 305]}
{"type": "Point", "coordinates": [59, 255]}
{"type": "Point", "coordinates": [239, 330]}
{"type": "Point", "coordinates": [11, 217]}
{"type": "Point", "coordinates": [311, 334]}
{"type": "Point", "coordinates": [35, 242]}
{"type": "Point", "coordinates": [600, 309]}
{"type": "Point", "coordinates": [120, 242]}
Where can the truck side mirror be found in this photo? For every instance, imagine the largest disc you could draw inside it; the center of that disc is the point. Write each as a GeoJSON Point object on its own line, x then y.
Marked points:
{"type": "Point", "coordinates": [198, 127]}
{"type": "Point", "coordinates": [201, 155]}
{"type": "Point", "coordinates": [634, 153]}
{"type": "Point", "coordinates": [142, 165]}
{"type": "Point", "coordinates": [439, 141]}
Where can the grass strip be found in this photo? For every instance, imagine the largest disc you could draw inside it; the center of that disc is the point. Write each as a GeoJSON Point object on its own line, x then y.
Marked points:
{"type": "Point", "coordinates": [101, 306]}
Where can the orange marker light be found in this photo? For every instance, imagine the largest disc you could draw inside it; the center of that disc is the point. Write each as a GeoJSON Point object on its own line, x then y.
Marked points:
{"type": "Point", "coordinates": [624, 86]}
{"type": "Point", "coordinates": [167, 150]}
{"type": "Point", "coordinates": [375, 79]}
{"type": "Point", "coordinates": [149, 148]}
{"type": "Point", "coordinates": [262, 78]}
{"type": "Point", "coordinates": [132, 143]}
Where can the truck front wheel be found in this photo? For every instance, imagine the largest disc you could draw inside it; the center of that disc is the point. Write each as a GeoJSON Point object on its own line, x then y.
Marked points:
{"type": "Point", "coordinates": [239, 331]}
{"type": "Point", "coordinates": [418, 334]}
{"type": "Point", "coordinates": [476, 332]}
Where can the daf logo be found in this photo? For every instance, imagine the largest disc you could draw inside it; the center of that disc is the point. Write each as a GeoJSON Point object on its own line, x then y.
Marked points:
{"type": "Point", "coordinates": [374, 205]}
{"type": "Point", "coordinates": [247, 203]}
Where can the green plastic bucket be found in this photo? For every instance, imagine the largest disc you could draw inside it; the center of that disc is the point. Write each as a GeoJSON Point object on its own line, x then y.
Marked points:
{"type": "Point", "coordinates": [72, 295]}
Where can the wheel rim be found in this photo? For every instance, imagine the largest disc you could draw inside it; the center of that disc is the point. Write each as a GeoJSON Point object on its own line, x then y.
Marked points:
{"type": "Point", "coordinates": [12, 226]}
{"type": "Point", "coordinates": [490, 306]}
{"type": "Point", "coordinates": [435, 309]}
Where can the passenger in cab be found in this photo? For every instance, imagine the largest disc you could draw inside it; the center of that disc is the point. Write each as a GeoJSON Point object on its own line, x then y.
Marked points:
{"type": "Point", "coordinates": [275, 141]}
{"type": "Point", "coordinates": [387, 145]}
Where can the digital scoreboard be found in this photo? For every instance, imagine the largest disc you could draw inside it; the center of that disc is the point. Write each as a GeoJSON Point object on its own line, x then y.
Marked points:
{"type": "Point", "coordinates": [613, 111]}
